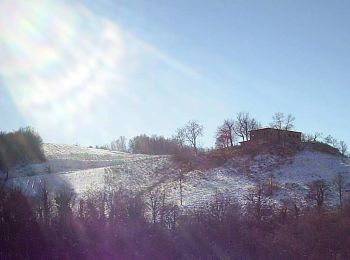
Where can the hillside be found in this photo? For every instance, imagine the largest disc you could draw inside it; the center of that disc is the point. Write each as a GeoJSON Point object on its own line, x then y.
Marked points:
{"type": "Point", "coordinates": [83, 168]}
{"type": "Point", "coordinates": [86, 168]}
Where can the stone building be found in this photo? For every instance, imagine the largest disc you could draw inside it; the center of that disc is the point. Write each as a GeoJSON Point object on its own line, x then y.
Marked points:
{"type": "Point", "coordinates": [272, 136]}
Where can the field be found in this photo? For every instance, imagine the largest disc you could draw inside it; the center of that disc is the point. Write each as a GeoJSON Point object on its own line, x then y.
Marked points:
{"type": "Point", "coordinates": [81, 169]}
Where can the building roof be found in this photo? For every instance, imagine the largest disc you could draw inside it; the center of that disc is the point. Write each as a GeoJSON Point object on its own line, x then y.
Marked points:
{"type": "Point", "coordinates": [270, 128]}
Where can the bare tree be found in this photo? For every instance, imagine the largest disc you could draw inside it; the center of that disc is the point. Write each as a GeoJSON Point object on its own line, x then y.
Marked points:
{"type": "Point", "coordinates": [343, 149]}
{"type": "Point", "coordinates": [219, 206]}
{"type": "Point", "coordinates": [339, 184]}
{"type": "Point", "coordinates": [221, 141]}
{"type": "Point", "coordinates": [306, 137]}
{"type": "Point", "coordinates": [330, 140]}
{"type": "Point", "coordinates": [244, 124]}
{"type": "Point", "coordinates": [181, 179]}
{"type": "Point", "coordinates": [64, 199]}
{"type": "Point", "coordinates": [282, 122]}
{"type": "Point", "coordinates": [180, 137]}
{"type": "Point", "coordinates": [272, 184]}
{"type": "Point", "coordinates": [113, 146]}
{"type": "Point", "coordinates": [172, 213]}
{"type": "Point", "coordinates": [289, 122]}
{"type": "Point", "coordinates": [45, 203]}
{"type": "Point", "coordinates": [225, 134]}
{"type": "Point", "coordinates": [192, 131]}
{"type": "Point", "coordinates": [318, 191]}
{"type": "Point", "coordinates": [277, 121]}
{"type": "Point", "coordinates": [257, 202]}
{"type": "Point", "coordinates": [316, 136]}
{"type": "Point", "coordinates": [121, 144]}
{"type": "Point", "coordinates": [163, 206]}
{"type": "Point", "coordinates": [154, 204]}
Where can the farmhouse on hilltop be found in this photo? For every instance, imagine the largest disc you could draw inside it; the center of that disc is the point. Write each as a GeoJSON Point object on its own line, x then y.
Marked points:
{"type": "Point", "coordinates": [272, 136]}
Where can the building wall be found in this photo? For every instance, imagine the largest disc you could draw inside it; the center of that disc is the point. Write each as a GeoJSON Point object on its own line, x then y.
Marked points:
{"type": "Point", "coordinates": [270, 136]}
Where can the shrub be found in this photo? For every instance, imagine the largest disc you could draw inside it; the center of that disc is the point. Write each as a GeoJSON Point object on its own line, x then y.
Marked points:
{"type": "Point", "coordinates": [19, 148]}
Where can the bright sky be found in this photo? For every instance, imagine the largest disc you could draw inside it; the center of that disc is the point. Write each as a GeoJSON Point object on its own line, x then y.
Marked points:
{"type": "Point", "coordinates": [91, 71]}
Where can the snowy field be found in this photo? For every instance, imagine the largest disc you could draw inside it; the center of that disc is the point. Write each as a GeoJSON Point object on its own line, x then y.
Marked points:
{"type": "Point", "coordinates": [81, 169]}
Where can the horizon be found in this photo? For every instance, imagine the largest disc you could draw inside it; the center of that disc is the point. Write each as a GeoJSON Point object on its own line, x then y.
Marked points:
{"type": "Point", "coordinates": [92, 71]}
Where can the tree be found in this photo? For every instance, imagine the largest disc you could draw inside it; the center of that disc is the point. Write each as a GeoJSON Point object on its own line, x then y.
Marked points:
{"type": "Point", "coordinates": [152, 145]}
{"type": "Point", "coordinates": [225, 134]}
{"type": "Point", "coordinates": [64, 199]}
{"type": "Point", "coordinates": [311, 137]}
{"type": "Point", "coordinates": [330, 140]}
{"type": "Point", "coordinates": [191, 132]}
{"type": "Point", "coordinates": [318, 191]}
{"type": "Point", "coordinates": [154, 204]}
{"type": "Point", "coordinates": [289, 122]}
{"type": "Point", "coordinates": [272, 185]}
{"type": "Point", "coordinates": [244, 124]}
{"type": "Point", "coordinates": [119, 144]}
{"type": "Point", "coordinates": [181, 180]}
{"type": "Point", "coordinates": [19, 148]}
{"type": "Point", "coordinates": [306, 137]}
{"type": "Point", "coordinates": [339, 183]}
{"type": "Point", "coordinates": [316, 136]}
{"type": "Point", "coordinates": [219, 206]}
{"type": "Point", "coordinates": [45, 203]}
{"type": "Point", "coordinates": [282, 122]}
{"type": "Point", "coordinates": [172, 213]}
{"type": "Point", "coordinates": [257, 202]}
{"type": "Point", "coordinates": [277, 121]}
{"type": "Point", "coordinates": [343, 149]}
{"type": "Point", "coordinates": [180, 137]}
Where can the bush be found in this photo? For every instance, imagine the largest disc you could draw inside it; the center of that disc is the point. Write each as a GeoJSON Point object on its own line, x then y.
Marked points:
{"type": "Point", "coordinates": [114, 225]}
{"type": "Point", "coordinates": [19, 148]}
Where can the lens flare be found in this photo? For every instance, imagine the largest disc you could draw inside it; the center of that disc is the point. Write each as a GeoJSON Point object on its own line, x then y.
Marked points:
{"type": "Point", "coordinates": [68, 69]}
{"type": "Point", "coordinates": [58, 61]}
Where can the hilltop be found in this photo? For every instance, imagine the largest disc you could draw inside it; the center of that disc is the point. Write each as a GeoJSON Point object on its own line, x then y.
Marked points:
{"type": "Point", "coordinates": [82, 168]}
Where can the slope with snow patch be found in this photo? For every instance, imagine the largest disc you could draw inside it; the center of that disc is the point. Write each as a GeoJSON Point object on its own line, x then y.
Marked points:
{"type": "Point", "coordinates": [292, 175]}
{"type": "Point", "coordinates": [83, 168]}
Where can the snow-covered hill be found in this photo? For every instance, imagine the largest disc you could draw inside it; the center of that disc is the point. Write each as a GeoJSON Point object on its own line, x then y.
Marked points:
{"type": "Point", "coordinates": [291, 175]}
{"type": "Point", "coordinates": [84, 168]}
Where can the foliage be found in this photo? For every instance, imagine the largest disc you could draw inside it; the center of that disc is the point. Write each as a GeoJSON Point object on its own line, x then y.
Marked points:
{"type": "Point", "coordinates": [144, 144]}
{"type": "Point", "coordinates": [20, 147]}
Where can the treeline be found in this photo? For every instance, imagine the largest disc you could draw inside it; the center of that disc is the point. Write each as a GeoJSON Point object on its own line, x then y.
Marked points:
{"type": "Point", "coordinates": [184, 139]}
{"type": "Point", "coordinates": [20, 147]}
{"type": "Point", "coordinates": [144, 144]}
{"type": "Point", "coordinates": [117, 224]}
{"type": "Point", "coordinates": [227, 137]}
{"type": "Point", "coordinates": [153, 145]}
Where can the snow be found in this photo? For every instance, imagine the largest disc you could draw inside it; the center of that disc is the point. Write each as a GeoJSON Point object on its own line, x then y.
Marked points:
{"type": "Point", "coordinates": [310, 166]}
{"type": "Point", "coordinates": [67, 158]}
{"type": "Point", "coordinates": [83, 168]}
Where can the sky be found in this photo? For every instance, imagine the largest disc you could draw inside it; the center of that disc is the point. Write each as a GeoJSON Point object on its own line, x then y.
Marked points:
{"type": "Point", "coordinates": [85, 72]}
